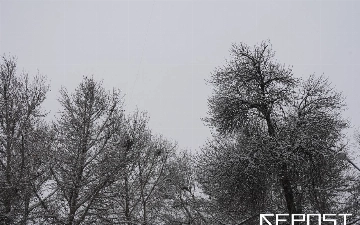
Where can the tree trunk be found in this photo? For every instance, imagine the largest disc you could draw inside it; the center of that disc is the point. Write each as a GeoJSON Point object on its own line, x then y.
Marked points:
{"type": "Point", "coordinates": [283, 173]}
{"type": "Point", "coordinates": [127, 201]}
{"type": "Point", "coordinates": [288, 192]}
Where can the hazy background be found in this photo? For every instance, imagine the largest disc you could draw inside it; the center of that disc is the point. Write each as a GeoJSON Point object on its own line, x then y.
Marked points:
{"type": "Point", "coordinates": [160, 52]}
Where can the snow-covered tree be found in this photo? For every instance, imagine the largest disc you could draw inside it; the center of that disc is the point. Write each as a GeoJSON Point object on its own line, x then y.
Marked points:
{"type": "Point", "coordinates": [134, 197]}
{"type": "Point", "coordinates": [83, 162]}
{"type": "Point", "coordinates": [276, 137]}
{"type": "Point", "coordinates": [23, 143]}
{"type": "Point", "coordinates": [183, 201]}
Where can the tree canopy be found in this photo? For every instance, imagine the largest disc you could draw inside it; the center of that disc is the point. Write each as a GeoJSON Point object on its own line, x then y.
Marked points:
{"type": "Point", "coordinates": [276, 136]}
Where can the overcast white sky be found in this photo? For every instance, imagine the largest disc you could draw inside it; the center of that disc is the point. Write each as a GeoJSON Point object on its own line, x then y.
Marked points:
{"type": "Point", "coordinates": [160, 52]}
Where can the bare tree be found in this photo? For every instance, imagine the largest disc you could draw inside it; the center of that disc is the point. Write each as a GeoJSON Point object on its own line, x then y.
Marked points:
{"type": "Point", "coordinates": [82, 164]}
{"type": "Point", "coordinates": [134, 197]}
{"type": "Point", "coordinates": [183, 200]}
{"type": "Point", "coordinates": [22, 142]}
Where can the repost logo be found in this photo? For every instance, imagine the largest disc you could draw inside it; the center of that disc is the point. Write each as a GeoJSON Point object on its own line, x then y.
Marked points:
{"type": "Point", "coordinates": [315, 219]}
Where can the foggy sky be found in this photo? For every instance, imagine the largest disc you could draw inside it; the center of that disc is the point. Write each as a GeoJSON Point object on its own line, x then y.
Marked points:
{"type": "Point", "coordinates": [159, 53]}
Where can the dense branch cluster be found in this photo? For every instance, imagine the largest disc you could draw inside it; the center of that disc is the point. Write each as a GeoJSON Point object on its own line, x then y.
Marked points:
{"type": "Point", "coordinates": [279, 134]}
